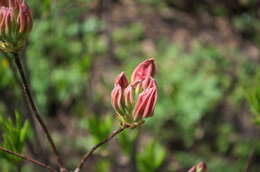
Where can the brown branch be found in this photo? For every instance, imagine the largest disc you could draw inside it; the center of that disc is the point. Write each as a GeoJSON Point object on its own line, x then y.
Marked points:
{"type": "Point", "coordinates": [28, 95]}
{"type": "Point", "coordinates": [31, 119]}
{"type": "Point", "coordinates": [88, 154]}
{"type": "Point", "coordinates": [28, 159]}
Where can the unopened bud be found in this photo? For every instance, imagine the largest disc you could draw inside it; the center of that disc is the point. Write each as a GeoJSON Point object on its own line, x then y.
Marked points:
{"type": "Point", "coordinates": [15, 24]}
{"type": "Point", "coordinates": [117, 99]}
{"type": "Point", "coordinates": [143, 70]}
{"type": "Point", "coordinates": [5, 21]}
{"type": "Point", "coordinates": [145, 104]}
{"type": "Point", "coordinates": [200, 167]}
{"type": "Point", "coordinates": [129, 96]}
{"type": "Point", "coordinates": [121, 80]}
{"type": "Point", "coordinates": [135, 101]}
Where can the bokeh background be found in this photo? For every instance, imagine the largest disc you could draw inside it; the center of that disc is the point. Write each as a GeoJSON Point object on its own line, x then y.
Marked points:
{"type": "Point", "coordinates": [207, 57]}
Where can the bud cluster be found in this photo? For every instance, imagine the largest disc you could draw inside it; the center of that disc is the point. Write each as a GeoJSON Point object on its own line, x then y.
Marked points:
{"type": "Point", "coordinates": [136, 100]}
{"type": "Point", "coordinates": [15, 24]}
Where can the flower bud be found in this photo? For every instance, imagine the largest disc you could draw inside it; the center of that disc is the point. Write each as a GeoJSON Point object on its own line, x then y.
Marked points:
{"type": "Point", "coordinates": [200, 167]}
{"type": "Point", "coordinates": [135, 101]}
{"type": "Point", "coordinates": [145, 104]}
{"type": "Point", "coordinates": [117, 99]}
{"type": "Point", "coordinates": [129, 96]}
{"type": "Point", "coordinates": [5, 20]}
{"type": "Point", "coordinates": [143, 70]}
{"type": "Point", "coordinates": [121, 80]}
{"type": "Point", "coordinates": [24, 18]}
{"type": "Point", "coordinates": [15, 24]}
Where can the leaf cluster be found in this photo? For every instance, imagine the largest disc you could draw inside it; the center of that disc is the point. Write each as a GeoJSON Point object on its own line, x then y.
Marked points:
{"type": "Point", "coordinates": [14, 136]}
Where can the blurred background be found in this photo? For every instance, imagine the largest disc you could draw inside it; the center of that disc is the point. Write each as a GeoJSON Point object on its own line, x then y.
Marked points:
{"type": "Point", "coordinates": [207, 57]}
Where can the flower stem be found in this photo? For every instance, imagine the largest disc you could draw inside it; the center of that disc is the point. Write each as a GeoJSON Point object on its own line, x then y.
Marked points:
{"type": "Point", "coordinates": [88, 154]}
{"type": "Point", "coordinates": [28, 159]}
{"type": "Point", "coordinates": [28, 95]}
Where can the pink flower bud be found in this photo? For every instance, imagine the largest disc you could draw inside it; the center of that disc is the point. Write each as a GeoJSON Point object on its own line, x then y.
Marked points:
{"type": "Point", "coordinates": [15, 24]}
{"type": "Point", "coordinates": [24, 18]}
{"type": "Point", "coordinates": [200, 167]}
{"type": "Point", "coordinates": [145, 104]}
{"type": "Point", "coordinates": [117, 99]}
{"type": "Point", "coordinates": [143, 70]}
{"type": "Point", "coordinates": [129, 96]}
{"type": "Point", "coordinates": [193, 169]}
{"type": "Point", "coordinates": [5, 20]}
{"type": "Point", "coordinates": [135, 101]}
{"type": "Point", "coordinates": [121, 80]}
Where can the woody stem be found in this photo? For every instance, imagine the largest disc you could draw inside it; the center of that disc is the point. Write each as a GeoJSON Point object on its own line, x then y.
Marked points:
{"type": "Point", "coordinates": [34, 109]}
{"type": "Point", "coordinates": [106, 140]}
{"type": "Point", "coordinates": [27, 158]}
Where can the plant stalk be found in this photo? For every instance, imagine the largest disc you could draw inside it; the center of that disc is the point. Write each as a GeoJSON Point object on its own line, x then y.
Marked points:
{"type": "Point", "coordinates": [89, 154]}
{"type": "Point", "coordinates": [27, 158]}
{"type": "Point", "coordinates": [28, 95]}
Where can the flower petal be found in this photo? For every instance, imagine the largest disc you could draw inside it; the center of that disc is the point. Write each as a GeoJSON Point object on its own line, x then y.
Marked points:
{"type": "Point", "coordinates": [144, 69]}
{"type": "Point", "coordinates": [121, 80]}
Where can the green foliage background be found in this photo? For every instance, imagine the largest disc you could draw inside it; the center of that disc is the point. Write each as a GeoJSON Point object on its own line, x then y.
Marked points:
{"type": "Point", "coordinates": [77, 48]}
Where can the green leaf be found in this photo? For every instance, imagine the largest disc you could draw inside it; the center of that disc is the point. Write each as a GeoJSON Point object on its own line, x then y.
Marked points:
{"type": "Point", "coordinates": [14, 136]}
{"type": "Point", "coordinates": [253, 98]}
{"type": "Point", "coordinates": [99, 127]}
{"type": "Point", "coordinates": [152, 157]}
{"type": "Point", "coordinates": [126, 140]}
{"type": "Point", "coordinates": [24, 131]}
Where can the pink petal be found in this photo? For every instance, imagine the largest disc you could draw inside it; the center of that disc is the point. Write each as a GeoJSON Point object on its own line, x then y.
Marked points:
{"type": "Point", "coordinates": [144, 69]}
{"type": "Point", "coordinates": [116, 98]}
{"type": "Point", "coordinates": [150, 104]}
{"type": "Point", "coordinates": [121, 80]}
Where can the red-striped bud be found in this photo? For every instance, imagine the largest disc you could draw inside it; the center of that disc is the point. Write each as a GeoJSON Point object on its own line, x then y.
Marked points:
{"type": "Point", "coordinates": [129, 94]}
{"type": "Point", "coordinates": [5, 20]}
{"type": "Point", "coordinates": [143, 70]}
{"type": "Point", "coordinates": [117, 99]}
{"type": "Point", "coordinates": [121, 80]}
{"type": "Point", "coordinates": [15, 24]}
{"type": "Point", "coordinates": [135, 101]}
{"type": "Point", "coordinates": [145, 104]}
{"type": "Point", "coordinates": [200, 167]}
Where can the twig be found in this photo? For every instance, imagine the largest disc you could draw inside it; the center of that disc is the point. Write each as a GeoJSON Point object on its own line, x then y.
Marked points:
{"type": "Point", "coordinates": [88, 154]}
{"type": "Point", "coordinates": [31, 118]}
{"type": "Point", "coordinates": [34, 109]}
{"type": "Point", "coordinates": [28, 159]}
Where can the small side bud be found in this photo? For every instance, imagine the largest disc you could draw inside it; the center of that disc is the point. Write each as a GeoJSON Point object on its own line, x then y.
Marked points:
{"type": "Point", "coordinates": [24, 18]}
{"type": "Point", "coordinates": [5, 21]}
{"type": "Point", "coordinates": [117, 99]}
{"type": "Point", "coordinates": [200, 167]}
{"type": "Point", "coordinates": [129, 96]}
